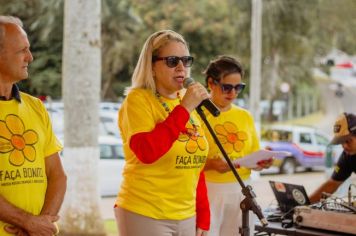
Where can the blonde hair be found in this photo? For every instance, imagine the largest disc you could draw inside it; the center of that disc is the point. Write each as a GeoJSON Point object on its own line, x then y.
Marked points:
{"type": "Point", "coordinates": [4, 20]}
{"type": "Point", "coordinates": [142, 76]}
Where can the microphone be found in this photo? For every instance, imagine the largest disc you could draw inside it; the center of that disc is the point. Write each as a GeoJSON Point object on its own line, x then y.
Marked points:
{"type": "Point", "coordinates": [207, 103]}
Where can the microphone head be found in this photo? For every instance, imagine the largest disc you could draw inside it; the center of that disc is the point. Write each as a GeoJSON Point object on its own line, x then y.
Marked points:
{"type": "Point", "coordinates": [188, 81]}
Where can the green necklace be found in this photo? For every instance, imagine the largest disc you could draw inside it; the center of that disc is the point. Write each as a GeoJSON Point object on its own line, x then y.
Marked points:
{"type": "Point", "coordinates": [190, 132]}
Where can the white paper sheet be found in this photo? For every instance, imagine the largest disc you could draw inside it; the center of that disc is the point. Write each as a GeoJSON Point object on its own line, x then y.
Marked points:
{"type": "Point", "coordinates": [251, 160]}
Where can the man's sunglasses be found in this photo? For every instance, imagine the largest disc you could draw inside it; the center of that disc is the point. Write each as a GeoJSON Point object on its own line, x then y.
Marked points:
{"type": "Point", "coordinates": [227, 88]}
{"type": "Point", "coordinates": [173, 61]}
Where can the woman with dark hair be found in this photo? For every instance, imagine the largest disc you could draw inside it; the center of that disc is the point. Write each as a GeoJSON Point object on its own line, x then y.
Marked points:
{"type": "Point", "coordinates": [236, 132]}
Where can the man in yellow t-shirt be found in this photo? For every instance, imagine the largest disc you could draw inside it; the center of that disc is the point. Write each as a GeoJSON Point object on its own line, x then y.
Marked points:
{"type": "Point", "coordinates": [32, 179]}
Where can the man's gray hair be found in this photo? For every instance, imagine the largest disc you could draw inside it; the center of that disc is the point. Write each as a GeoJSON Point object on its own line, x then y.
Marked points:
{"type": "Point", "coordinates": [4, 20]}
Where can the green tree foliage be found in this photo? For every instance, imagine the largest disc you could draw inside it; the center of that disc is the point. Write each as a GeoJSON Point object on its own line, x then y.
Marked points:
{"type": "Point", "coordinates": [294, 32]}
{"type": "Point", "coordinates": [43, 22]}
{"type": "Point", "coordinates": [334, 25]}
{"type": "Point", "coordinates": [287, 50]}
{"type": "Point", "coordinates": [210, 27]}
{"type": "Point", "coordinates": [120, 27]}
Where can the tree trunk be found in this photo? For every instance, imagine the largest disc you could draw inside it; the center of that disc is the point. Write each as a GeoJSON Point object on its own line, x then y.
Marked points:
{"type": "Point", "coordinates": [81, 91]}
{"type": "Point", "coordinates": [299, 104]}
{"type": "Point", "coordinates": [290, 106]}
{"type": "Point", "coordinates": [256, 52]}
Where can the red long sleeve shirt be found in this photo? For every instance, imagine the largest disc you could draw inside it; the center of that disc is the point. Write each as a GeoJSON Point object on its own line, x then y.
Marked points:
{"type": "Point", "coordinates": [148, 151]}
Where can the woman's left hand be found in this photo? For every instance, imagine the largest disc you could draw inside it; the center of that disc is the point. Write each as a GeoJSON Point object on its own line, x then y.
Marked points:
{"type": "Point", "coordinates": [201, 232]}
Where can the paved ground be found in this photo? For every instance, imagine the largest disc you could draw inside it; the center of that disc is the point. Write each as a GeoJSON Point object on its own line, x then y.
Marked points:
{"type": "Point", "coordinates": [106, 206]}
{"type": "Point", "coordinates": [265, 197]}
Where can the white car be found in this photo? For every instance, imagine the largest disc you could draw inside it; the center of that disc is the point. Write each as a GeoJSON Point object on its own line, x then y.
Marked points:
{"type": "Point", "coordinates": [103, 106]}
{"type": "Point", "coordinates": [111, 165]}
{"type": "Point", "coordinates": [109, 123]}
{"type": "Point", "coordinates": [110, 106]}
{"type": "Point", "coordinates": [108, 119]}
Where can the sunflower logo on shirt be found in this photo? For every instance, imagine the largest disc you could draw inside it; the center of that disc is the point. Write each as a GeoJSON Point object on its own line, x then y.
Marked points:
{"type": "Point", "coordinates": [230, 137]}
{"type": "Point", "coordinates": [194, 139]}
{"type": "Point", "coordinates": [17, 141]}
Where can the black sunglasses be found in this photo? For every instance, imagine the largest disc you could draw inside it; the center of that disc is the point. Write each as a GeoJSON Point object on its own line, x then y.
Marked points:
{"type": "Point", "coordinates": [227, 88]}
{"type": "Point", "coordinates": [173, 61]}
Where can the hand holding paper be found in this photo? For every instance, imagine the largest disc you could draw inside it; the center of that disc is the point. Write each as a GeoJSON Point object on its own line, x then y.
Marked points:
{"type": "Point", "coordinates": [252, 160]}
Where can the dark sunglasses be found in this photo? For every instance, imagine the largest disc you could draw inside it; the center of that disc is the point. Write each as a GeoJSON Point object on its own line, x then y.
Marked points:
{"type": "Point", "coordinates": [227, 88]}
{"type": "Point", "coordinates": [173, 61]}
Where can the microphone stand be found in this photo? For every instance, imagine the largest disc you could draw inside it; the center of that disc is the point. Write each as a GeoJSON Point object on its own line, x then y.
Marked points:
{"type": "Point", "coordinates": [249, 202]}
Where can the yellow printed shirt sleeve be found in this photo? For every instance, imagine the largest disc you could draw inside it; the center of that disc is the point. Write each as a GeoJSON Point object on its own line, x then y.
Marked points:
{"type": "Point", "coordinates": [26, 138]}
{"type": "Point", "coordinates": [135, 115]}
{"type": "Point", "coordinates": [166, 188]}
{"type": "Point", "coordinates": [236, 132]}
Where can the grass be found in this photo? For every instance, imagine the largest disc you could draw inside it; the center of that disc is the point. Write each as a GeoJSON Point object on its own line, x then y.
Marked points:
{"type": "Point", "coordinates": [110, 227]}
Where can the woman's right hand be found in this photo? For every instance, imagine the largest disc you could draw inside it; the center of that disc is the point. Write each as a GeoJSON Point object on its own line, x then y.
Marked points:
{"type": "Point", "coordinates": [194, 95]}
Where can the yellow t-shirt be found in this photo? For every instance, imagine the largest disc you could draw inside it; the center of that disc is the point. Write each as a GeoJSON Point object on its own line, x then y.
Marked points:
{"type": "Point", "coordinates": [165, 189]}
{"type": "Point", "coordinates": [236, 132]}
{"type": "Point", "coordinates": [26, 138]}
